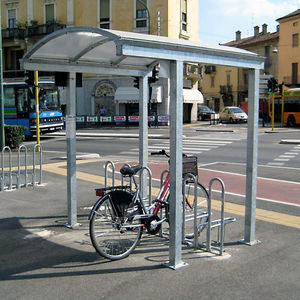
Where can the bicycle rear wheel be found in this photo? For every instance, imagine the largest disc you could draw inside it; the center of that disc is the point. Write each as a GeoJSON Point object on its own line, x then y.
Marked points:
{"type": "Point", "coordinates": [115, 234]}
{"type": "Point", "coordinates": [189, 208]}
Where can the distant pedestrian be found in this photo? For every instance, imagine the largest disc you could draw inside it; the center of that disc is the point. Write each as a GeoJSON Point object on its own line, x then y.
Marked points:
{"type": "Point", "coordinates": [102, 111]}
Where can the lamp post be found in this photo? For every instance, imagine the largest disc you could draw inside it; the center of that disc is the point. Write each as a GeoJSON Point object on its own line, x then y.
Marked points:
{"type": "Point", "coordinates": [2, 136]}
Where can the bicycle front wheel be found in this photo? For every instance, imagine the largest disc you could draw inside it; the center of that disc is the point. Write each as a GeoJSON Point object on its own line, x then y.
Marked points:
{"type": "Point", "coordinates": [190, 205]}
{"type": "Point", "coordinates": [115, 235]}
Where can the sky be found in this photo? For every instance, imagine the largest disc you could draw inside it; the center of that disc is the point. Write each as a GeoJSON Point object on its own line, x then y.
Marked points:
{"type": "Point", "coordinates": [220, 19]}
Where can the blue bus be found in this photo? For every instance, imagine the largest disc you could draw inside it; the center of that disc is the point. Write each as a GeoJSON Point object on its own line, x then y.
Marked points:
{"type": "Point", "coordinates": [19, 107]}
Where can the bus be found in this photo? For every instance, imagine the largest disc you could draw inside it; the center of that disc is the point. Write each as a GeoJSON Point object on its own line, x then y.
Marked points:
{"type": "Point", "coordinates": [19, 107]}
{"type": "Point", "coordinates": [291, 107]}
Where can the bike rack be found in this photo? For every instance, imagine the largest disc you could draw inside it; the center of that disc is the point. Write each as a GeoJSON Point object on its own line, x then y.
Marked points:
{"type": "Point", "coordinates": [220, 223]}
{"type": "Point", "coordinates": [6, 148]}
{"type": "Point", "coordinates": [109, 162]}
{"type": "Point", "coordinates": [195, 180]}
{"type": "Point", "coordinates": [19, 172]}
{"type": "Point", "coordinates": [25, 166]}
{"type": "Point", "coordinates": [149, 173]}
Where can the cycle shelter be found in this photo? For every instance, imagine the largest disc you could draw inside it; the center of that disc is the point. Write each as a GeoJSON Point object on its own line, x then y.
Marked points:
{"type": "Point", "coordinates": [116, 53]}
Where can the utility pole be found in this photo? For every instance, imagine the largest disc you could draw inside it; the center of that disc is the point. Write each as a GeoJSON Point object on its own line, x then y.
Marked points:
{"type": "Point", "coordinates": [2, 135]}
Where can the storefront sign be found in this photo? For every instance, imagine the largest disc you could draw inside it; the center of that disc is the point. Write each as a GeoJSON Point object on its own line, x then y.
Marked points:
{"type": "Point", "coordinates": [120, 118]}
{"type": "Point", "coordinates": [92, 119]}
{"type": "Point", "coordinates": [133, 118]}
{"type": "Point", "coordinates": [105, 119]}
{"type": "Point", "coordinates": [151, 118]}
{"type": "Point", "coordinates": [80, 119]}
{"type": "Point", "coordinates": [163, 119]}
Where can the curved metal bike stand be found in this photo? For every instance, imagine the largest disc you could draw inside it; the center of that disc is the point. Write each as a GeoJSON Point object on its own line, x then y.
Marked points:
{"type": "Point", "coordinates": [209, 226]}
{"type": "Point", "coordinates": [109, 163]}
{"type": "Point", "coordinates": [195, 180]}
{"type": "Point", "coordinates": [25, 166]}
{"type": "Point", "coordinates": [150, 183]}
{"type": "Point", "coordinates": [4, 149]}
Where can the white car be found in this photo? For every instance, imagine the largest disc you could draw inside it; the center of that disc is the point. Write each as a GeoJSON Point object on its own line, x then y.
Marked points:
{"type": "Point", "coordinates": [233, 114]}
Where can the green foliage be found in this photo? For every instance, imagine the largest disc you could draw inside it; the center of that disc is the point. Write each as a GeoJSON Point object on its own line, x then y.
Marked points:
{"type": "Point", "coordinates": [14, 135]}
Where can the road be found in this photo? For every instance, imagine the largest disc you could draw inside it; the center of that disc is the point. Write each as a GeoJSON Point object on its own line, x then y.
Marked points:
{"type": "Point", "coordinates": [220, 153]}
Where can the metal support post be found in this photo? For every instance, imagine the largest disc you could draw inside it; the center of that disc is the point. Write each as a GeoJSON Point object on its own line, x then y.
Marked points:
{"type": "Point", "coordinates": [2, 135]}
{"type": "Point", "coordinates": [252, 146]}
{"type": "Point", "coordinates": [143, 131]}
{"type": "Point", "coordinates": [175, 204]}
{"type": "Point", "coordinates": [71, 151]}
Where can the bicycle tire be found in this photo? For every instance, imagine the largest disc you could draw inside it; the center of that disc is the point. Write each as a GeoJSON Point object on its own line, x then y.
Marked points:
{"type": "Point", "coordinates": [110, 230]}
{"type": "Point", "coordinates": [202, 209]}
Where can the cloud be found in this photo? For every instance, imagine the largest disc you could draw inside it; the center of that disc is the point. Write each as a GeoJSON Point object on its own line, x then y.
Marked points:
{"type": "Point", "coordinates": [257, 8]}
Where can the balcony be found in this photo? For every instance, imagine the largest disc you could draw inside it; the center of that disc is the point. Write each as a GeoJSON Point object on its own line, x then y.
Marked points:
{"type": "Point", "coordinates": [225, 89]}
{"type": "Point", "coordinates": [30, 31]}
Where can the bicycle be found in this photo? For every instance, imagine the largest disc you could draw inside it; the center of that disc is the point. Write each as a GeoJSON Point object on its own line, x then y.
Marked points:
{"type": "Point", "coordinates": [119, 216]}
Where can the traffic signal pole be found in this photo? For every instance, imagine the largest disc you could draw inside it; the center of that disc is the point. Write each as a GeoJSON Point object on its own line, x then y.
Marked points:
{"type": "Point", "coordinates": [2, 135]}
{"type": "Point", "coordinates": [273, 109]}
{"type": "Point", "coordinates": [37, 109]}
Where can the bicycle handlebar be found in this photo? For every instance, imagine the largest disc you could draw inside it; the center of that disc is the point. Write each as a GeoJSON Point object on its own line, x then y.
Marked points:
{"type": "Point", "coordinates": [163, 152]}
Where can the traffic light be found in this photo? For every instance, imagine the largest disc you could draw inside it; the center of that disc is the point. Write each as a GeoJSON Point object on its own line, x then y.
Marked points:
{"type": "Point", "coordinates": [272, 85]}
{"type": "Point", "coordinates": [136, 82]}
{"type": "Point", "coordinates": [280, 89]}
{"type": "Point", "coordinates": [275, 84]}
{"type": "Point", "coordinates": [29, 77]}
{"type": "Point", "coordinates": [155, 74]}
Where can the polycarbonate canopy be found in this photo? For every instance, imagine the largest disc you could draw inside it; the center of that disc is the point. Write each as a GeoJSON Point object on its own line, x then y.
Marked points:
{"type": "Point", "coordinates": [93, 50]}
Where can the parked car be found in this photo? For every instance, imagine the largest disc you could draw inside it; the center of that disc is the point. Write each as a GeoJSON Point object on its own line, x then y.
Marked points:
{"type": "Point", "coordinates": [204, 112]}
{"type": "Point", "coordinates": [233, 114]}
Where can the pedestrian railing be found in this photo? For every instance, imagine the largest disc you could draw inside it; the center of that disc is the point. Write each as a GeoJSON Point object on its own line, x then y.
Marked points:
{"type": "Point", "coordinates": [16, 169]}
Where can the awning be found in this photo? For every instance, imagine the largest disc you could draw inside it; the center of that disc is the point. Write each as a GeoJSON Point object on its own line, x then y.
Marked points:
{"type": "Point", "coordinates": [192, 96]}
{"type": "Point", "coordinates": [129, 94]}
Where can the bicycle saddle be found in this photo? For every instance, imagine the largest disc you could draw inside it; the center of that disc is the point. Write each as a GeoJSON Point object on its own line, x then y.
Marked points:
{"type": "Point", "coordinates": [130, 171]}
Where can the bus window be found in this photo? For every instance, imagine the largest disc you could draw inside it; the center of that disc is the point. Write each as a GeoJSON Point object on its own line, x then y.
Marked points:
{"type": "Point", "coordinates": [22, 97]}
{"type": "Point", "coordinates": [9, 97]}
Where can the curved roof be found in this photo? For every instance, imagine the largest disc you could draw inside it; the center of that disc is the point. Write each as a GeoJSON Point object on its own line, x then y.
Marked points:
{"type": "Point", "coordinates": [94, 50]}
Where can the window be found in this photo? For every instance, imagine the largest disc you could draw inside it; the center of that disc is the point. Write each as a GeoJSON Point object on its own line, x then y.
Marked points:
{"type": "Point", "coordinates": [212, 81]}
{"type": "Point", "coordinates": [295, 40]}
{"type": "Point", "coordinates": [294, 73]}
{"type": "Point", "coordinates": [49, 13]}
{"type": "Point", "coordinates": [105, 14]}
{"type": "Point", "coordinates": [12, 18]}
{"type": "Point", "coordinates": [141, 13]}
{"type": "Point", "coordinates": [184, 15]}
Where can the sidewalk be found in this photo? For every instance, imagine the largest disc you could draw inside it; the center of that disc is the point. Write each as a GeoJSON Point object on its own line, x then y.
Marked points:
{"type": "Point", "coordinates": [42, 259]}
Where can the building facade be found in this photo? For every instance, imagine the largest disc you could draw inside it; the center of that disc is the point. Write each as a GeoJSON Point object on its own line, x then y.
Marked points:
{"type": "Point", "coordinates": [226, 86]}
{"type": "Point", "coordinates": [24, 22]}
{"type": "Point", "coordinates": [289, 49]}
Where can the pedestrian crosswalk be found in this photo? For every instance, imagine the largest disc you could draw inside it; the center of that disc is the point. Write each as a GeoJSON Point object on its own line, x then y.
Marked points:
{"type": "Point", "coordinates": [190, 147]}
{"type": "Point", "coordinates": [293, 154]}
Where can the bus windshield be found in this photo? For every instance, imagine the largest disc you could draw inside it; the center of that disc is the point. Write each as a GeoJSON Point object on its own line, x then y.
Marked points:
{"type": "Point", "coordinates": [48, 100]}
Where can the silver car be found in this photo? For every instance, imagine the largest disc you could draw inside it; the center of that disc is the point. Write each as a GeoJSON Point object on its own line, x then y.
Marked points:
{"type": "Point", "coordinates": [233, 114]}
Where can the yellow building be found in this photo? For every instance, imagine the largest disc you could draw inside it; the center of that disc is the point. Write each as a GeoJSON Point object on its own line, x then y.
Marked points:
{"type": "Point", "coordinates": [227, 86]}
{"type": "Point", "coordinates": [24, 22]}
{"type": "Point", "coordinates": [289, 49]}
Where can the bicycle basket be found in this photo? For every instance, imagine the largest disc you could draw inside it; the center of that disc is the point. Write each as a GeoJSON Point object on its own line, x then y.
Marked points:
{"type": "Point", "coordinates": [189, 165]}
{"type": "Point", "coordinates": [121, 201]}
